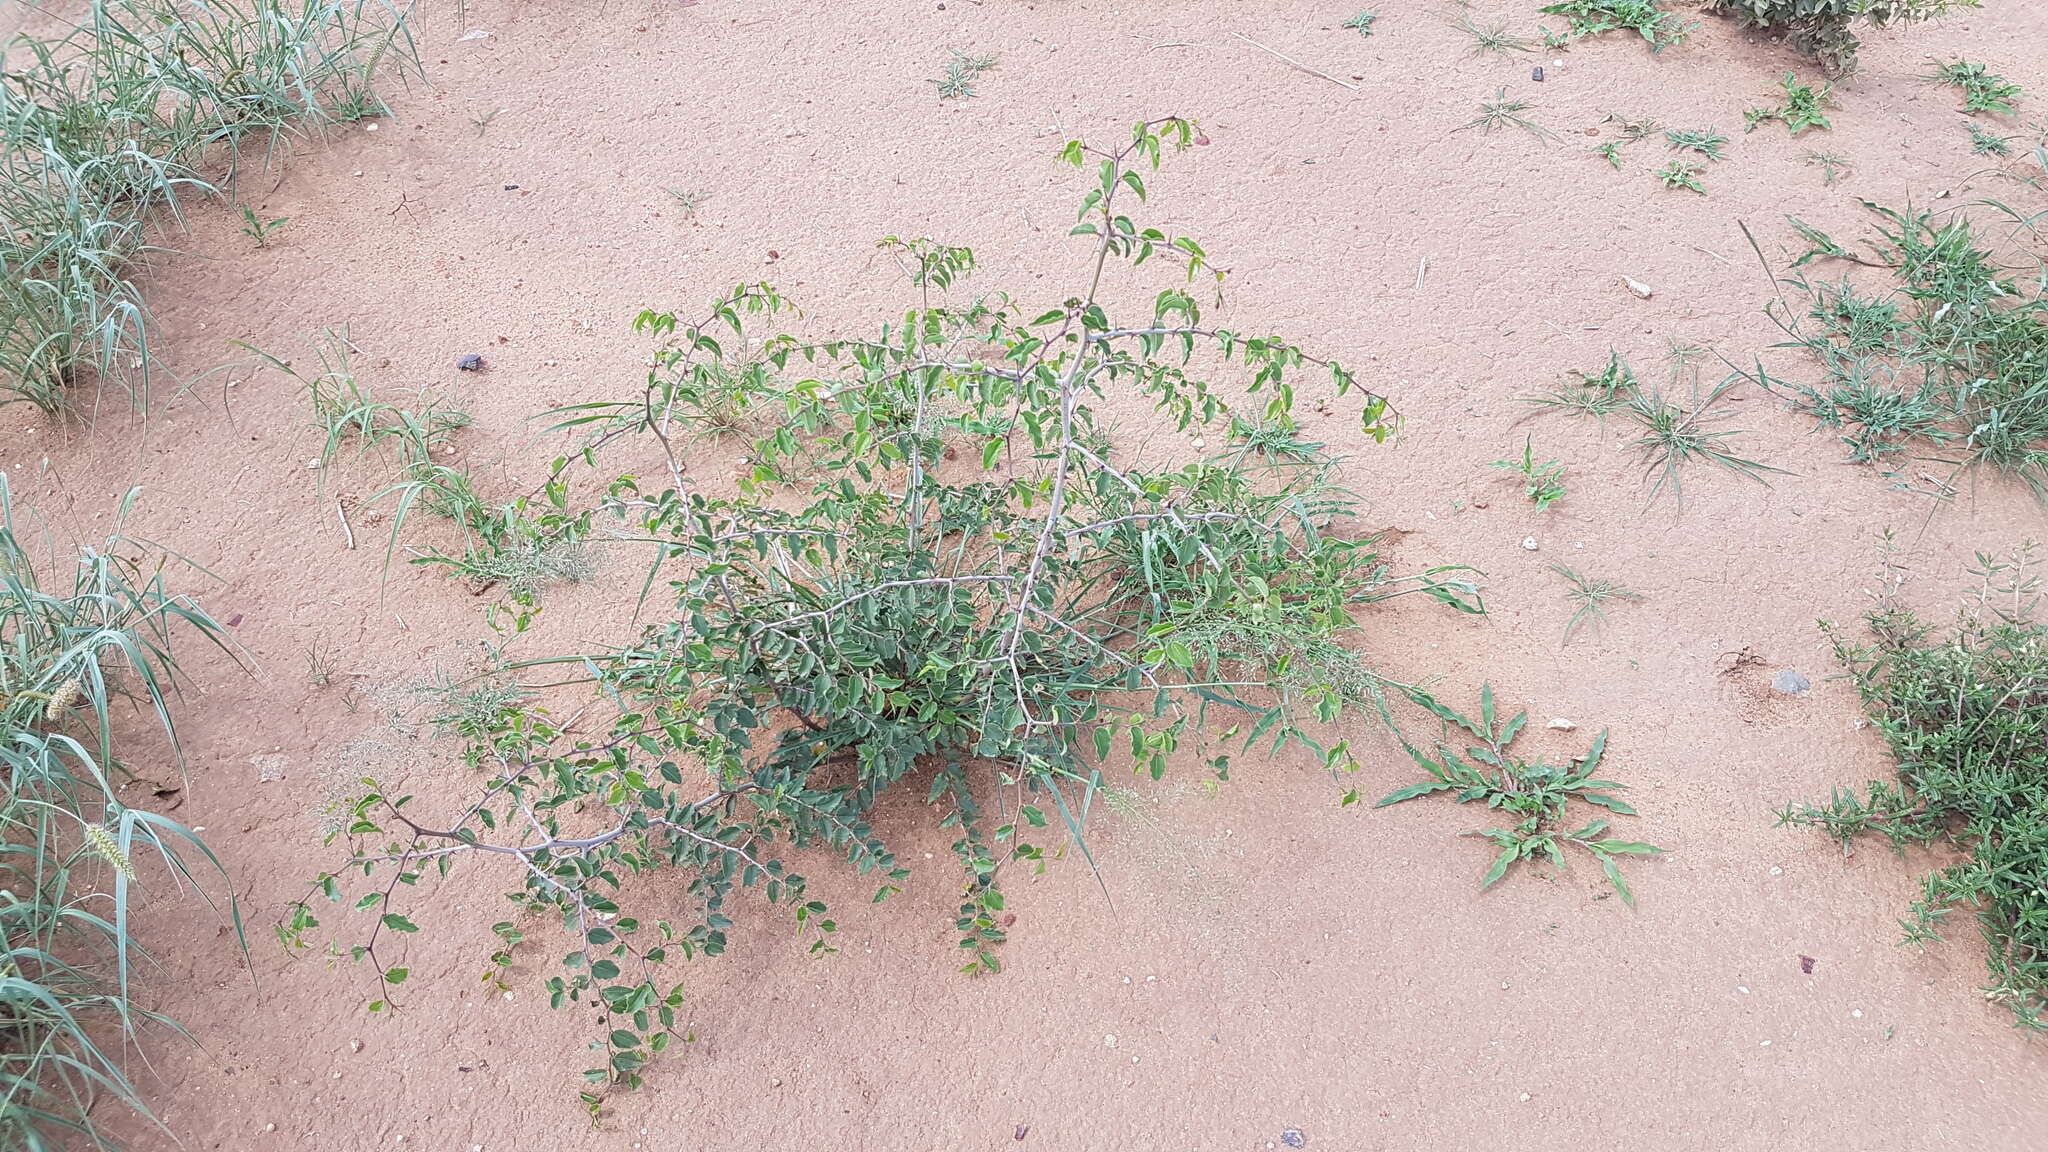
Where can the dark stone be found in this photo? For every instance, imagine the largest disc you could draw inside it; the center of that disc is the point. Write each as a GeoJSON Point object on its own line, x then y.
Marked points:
{"type": "Point", "coordinates": [470, 363]}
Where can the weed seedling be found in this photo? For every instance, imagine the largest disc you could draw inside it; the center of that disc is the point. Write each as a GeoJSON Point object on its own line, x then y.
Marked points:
{"type": "Point", "coordinates": [1610, 152]}
{"type": "Point", "coordinates": [1984, 143]}
{"type": "Point", "coordinates": [1501, 112]}
{"type": "Point", "coordinates": [961, 73]}
{"type": "Point", "coordinates": [1589, 599]}
{"type": "Point", "coordinates": [1705, 141]}
{"type": "Point", "coordinates": [258, 229]}
{"type": "Point", "coordinates": [1362, 23]}
{"type": "Point", "coordinates": [1683, 174]}
{"type": "Point", "coordinates": [1803, 107]}
{"type": "Point", "coordinates": [483, 122]}
{"type": "Point", "coordinates": [1533, 793]}
{"type": "Point", "coordinates": [1633, 130]}
{"type": "Point", "coordinates": [1542, 483]}
{"type": "Point", "coordinates": [687, 201]}
{"type": "Point", "coordinates": [1597, 394]}
{"type": "Point", "coordinates": [1832, 166]}
{"type": "Point", "coordinates": [1983, 90]}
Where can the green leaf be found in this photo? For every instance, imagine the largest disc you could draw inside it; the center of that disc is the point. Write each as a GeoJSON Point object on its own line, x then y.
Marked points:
{"type": "Point", "coordinates": [1608, 802]}
{"type": "Point", "coordinates": [1607, 865]}
{"type": "Point", "coordinates": [397, 923]}
{"type": "Point", "coordinates": [1507, 856]}
{"type": "Point", "coordinates": [1411, 792]}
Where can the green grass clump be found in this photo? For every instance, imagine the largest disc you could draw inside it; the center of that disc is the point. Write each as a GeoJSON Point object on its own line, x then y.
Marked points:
{"type": "Point", "coordinates": [141, 106]}
{"type": "Point", "coordinates": [1949, 358]}
{"type": "Point", "coordinates": [1503, 112]}
{"type": "Point", "coordinates": [1803, 107]}
{"type": "Point", "coordinates": [1983, 90]}
{"type": "Point", "coordinates": [1670, 434]}
{"type": "Point", "coordinates": [1963, 710]}
{"type": "Point", "coordinates": [1646, 18]}
{"type": "Point", "coordinates": [1493, 38]}
{"type": "Point", "coordinates": [73, 663]}
{"type": "Point", "coordinates": [1362, 22]}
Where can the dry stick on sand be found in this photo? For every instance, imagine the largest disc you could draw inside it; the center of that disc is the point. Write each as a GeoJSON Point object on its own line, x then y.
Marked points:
{"type": "Point", "coordinates": [1296, 63]}
{"type": "Point", "coordinates": [341, 514]}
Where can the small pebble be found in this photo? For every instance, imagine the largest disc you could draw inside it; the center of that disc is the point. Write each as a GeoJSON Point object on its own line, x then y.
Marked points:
{"type": "Point", "coordinates": [1562, 724]}
{"type": "Point", "coordinates": [1109, 1041]}
{"type": "Point", "coordinates": [1529, 543]}
{"type": "Point", "coordinates": [1790, 683]}
{"type": "Point", "coordinates": [1292, 1137]}
{"type": "Point", "coordinates": [1777, 871]}
{"type": "Point", "coordinates": [1765, 1044]}
{"type": "Point", "coordinates": [369, 127]}
{"type": "Point", "coordinates": [1856, 1013]}
{"type": "Point", "coordinates": [470, 363]}
{"type": "Point", "coordinates": [1536, 73]}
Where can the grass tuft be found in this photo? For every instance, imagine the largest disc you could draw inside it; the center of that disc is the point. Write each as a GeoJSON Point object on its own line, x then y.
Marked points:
{"type": "Point", "coordinates": [1950, 358]}
{"type": "Point", "coordinates": [143, 105]}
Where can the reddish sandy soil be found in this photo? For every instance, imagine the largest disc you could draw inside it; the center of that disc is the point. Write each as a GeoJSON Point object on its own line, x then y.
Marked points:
{"type": "Point", "coordinates": [1265, 960]}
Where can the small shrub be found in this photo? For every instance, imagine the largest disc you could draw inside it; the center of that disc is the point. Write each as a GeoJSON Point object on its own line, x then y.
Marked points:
{"type": "Point", "coordinates": [938, 571]}
{"type": "Point", "coordinates": [1824, 29]}
{"type": "Point", "coordinates": [1963, 711]}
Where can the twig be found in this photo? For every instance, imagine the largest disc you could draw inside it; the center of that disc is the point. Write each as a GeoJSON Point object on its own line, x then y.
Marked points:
{"type": "Point", "coordinates": [1296, 63]}
{"type": "Point", "coordinates": [1421, 270]}
{"type": "Point", "coordinates": [341, 514]}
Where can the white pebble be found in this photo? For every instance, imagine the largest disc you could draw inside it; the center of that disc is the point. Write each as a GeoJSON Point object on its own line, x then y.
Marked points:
{"type": "Point", "coordinates": [1740, 988]}
{"type": "Point", "coordinates": [1109, 1041]}
{"type": "Point", "coordinates": [1856, 1013]}
{"type": "Point", "coordinates": [1197, 441]}
{"type": "Point", "coordinates": [369, 127]}
{"type": "Point", "coordinates": [1562, 724]}
{"type": "Point", "coordinates": [1777, 871]}
{"type": "Point", "coordinates": [1765, 1044]}
{"type": "Point", "coordinates": [1529, 542]}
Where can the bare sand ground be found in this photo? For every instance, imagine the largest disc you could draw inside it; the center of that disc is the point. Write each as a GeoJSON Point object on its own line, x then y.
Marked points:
{"type": "Point", "coordinates": [1264, 960]}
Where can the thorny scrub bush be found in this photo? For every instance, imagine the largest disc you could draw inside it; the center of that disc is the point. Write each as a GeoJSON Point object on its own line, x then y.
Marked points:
{"type": "Point", "coordinates": [1824, 29]}
{"type": "Point", "coordinates": [1950, 355]}
{"type": "Point", "coordinates": [940, 571]}
{"type": "Point", "coordinates": [68, 657]}
{"type": "Point", "coordinates": [1964, 713]}
{"type": "Point", "coordinates": [124, 115]}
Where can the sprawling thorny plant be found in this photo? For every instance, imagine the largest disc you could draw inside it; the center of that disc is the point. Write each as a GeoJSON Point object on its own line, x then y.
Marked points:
{"type": "Point", "coordinates": [938, 565]}
{"type": "Point", "coordinates": [1963, 710]}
